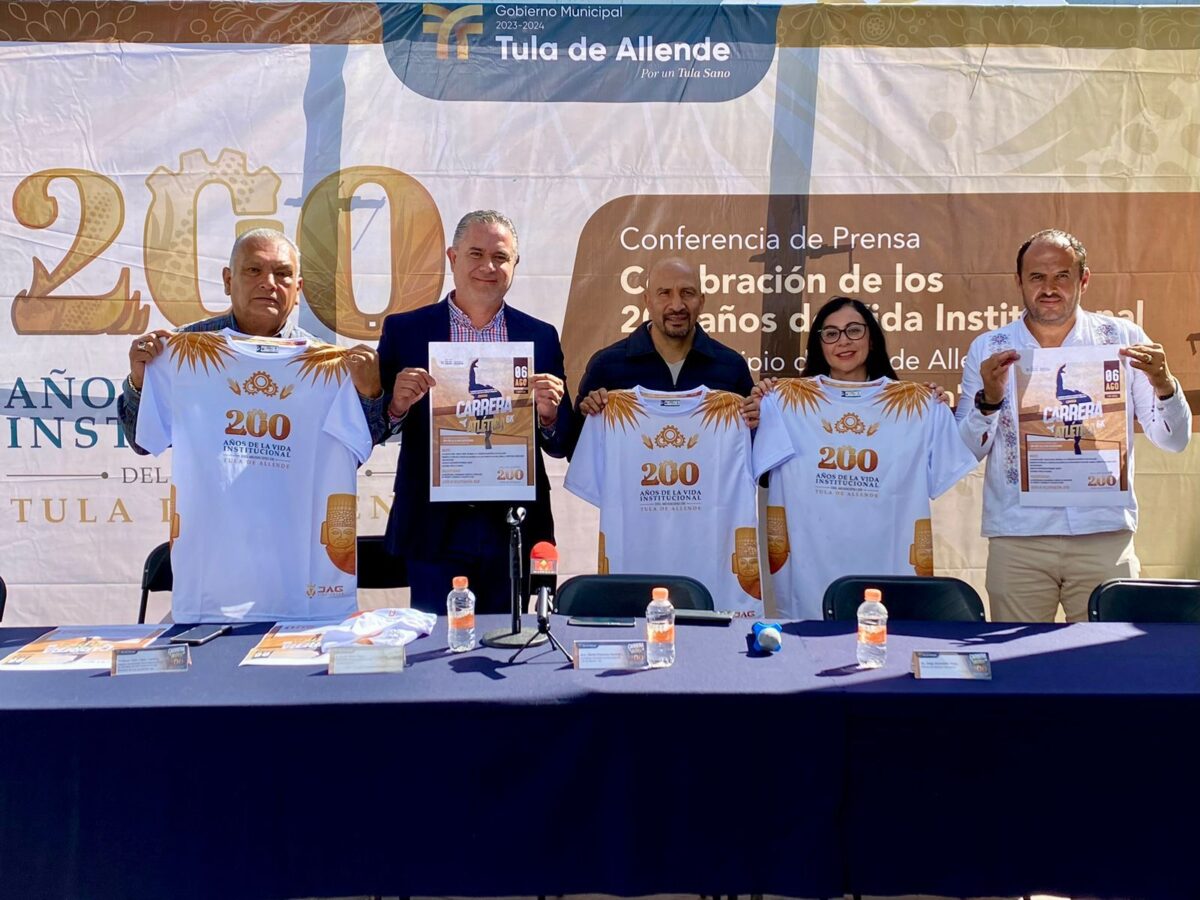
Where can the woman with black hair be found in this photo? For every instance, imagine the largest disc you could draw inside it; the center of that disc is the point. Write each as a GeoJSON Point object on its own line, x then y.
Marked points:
{"type": "Point", "coordinates": [850, 450]}
{"type": "Point", "coordinates": [846, 343]}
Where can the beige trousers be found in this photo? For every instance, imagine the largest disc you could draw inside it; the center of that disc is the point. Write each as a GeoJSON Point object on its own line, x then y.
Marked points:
{"type": "Point", "coordinates": [1028, 577]}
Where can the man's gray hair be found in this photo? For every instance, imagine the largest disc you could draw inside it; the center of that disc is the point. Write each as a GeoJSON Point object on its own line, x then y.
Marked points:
{"type": "Point", "coordinates": [262, 235]}
{"type": "Point", "coordinates": [486, 217]}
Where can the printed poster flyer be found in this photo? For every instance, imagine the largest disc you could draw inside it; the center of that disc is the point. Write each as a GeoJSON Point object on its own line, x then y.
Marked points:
{"type": "Point", "coordinates": [80, 647]}
{"type": "Point", "coordinates": [1073, 427]}
{"type": "Point", "coordinates": [294, 644]}
{"type": "Point", "coordinates": [482, 421]}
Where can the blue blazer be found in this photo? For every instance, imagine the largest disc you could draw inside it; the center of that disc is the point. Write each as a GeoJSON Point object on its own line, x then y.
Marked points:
{"type": "Point", "coordinates": [418, 528]}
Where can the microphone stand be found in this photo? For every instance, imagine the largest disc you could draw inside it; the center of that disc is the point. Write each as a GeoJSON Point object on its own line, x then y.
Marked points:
{"type": "Point", "coordinates": [514, 519]}
{"type": "Point", "coordinates": [543, 629]}
{"type": "Point", "coordinates": [518, 636]}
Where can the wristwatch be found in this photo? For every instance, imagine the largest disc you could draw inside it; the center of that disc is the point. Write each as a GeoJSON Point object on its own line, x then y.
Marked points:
{"type": "Point", "coordinates": [982, 404]}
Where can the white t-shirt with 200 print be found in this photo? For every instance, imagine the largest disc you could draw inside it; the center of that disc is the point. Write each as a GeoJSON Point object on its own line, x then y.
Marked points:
{"type": "Point", "coordinates": [671, 475]}
{"type": "Point", "coordinates": [853, 467]}
{"type": "Point", "coordinates": [267, 436]}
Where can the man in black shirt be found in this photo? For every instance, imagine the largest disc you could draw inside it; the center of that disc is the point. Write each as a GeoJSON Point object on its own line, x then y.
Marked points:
{"type": "Point", "coordinates": [671, 352]}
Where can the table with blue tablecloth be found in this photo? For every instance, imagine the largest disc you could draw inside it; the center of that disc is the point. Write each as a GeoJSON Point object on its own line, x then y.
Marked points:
{"type": "Point", "coordinates": [730, 772]}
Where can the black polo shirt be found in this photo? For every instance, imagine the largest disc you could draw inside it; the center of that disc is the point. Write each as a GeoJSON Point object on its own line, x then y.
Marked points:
{"type": "Point", "coordinates": [634, 362]}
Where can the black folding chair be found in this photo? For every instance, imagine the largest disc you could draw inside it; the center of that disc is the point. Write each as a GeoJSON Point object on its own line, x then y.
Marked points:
{"type": "Point", "coordinates": [914, 597]}
{"type": "Point", "coordinates": [378, 569]}
{"type": "Point", "coordinates": [1145, 600]}
{"type": "Point", "coordinates": [156, 576]}
{"type": "Point", "coordinates": [626, 595]}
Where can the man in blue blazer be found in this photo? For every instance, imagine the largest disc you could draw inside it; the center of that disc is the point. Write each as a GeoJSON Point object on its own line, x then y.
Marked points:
{"type": "Point", "coordinates": [441, 540]}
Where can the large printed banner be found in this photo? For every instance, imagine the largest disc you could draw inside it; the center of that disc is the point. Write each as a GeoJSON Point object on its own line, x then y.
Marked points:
{"type": "Point", "coordinates": [895, 153]}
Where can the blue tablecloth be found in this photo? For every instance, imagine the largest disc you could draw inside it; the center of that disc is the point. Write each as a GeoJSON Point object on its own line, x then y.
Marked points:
{"type": "Point", "coordinates": [726, 773]}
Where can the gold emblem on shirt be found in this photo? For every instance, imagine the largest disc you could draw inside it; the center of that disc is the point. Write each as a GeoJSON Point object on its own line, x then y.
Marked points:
{"type": "Point", "coordinates": [338, 531]}
{"type": "Point", "coordinates": [850, 423]}
{"type": "Point", "coordinates": [745, 561]}
{"type": "Point", "coordinates": [260, 383]}
{"type": "Point", "coordinates": [920, 551]}
{"type": "Point", "coordinates": [670, 436]}
{"type": "Point", "coordinates": [778, 547]}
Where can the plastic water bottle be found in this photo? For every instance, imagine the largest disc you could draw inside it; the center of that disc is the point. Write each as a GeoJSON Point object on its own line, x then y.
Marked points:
{"type": "Point", "coordinates": [660, 630]}
{"type": "Point", "coordinates": [460, 616]}
{"type": "Point", "coordinates": [872, 630]}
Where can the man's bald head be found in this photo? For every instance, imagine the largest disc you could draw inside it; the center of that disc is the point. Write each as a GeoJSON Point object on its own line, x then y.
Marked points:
{"type": "Point", "coordinates": [673, 299]}
{"type": "Point", "coordinates": [676, 264]}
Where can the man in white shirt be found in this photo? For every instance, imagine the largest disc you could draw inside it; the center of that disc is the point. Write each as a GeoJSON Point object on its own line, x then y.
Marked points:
{"type": "Point", "coordinates": [1042, 556]}
{"type": "Point", "coordinates": [263, 283]}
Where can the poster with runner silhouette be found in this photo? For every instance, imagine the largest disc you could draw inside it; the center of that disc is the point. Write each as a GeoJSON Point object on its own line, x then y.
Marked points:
{"type": "Point", "coordinates": [1074, 427]}
{"type": "Point", "coordinates": [481, 421]}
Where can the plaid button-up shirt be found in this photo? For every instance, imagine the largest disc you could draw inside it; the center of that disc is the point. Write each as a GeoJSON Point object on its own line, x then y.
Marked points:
{"type": "Point", "coordinates": [461, 329]}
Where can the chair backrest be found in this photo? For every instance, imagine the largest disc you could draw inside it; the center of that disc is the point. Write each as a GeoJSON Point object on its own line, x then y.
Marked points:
{"type": "Point", "coordinates": [626, 595]}
{"type": "Point", "coordinates": [156, 576]}
{"type": "Point", "coordinates": [377, 568]}
{"type": "Point", "coordinates": [912, 597]}
{"type": "Point", "coordinates": [3, 598]}
{"type": "Point", "coordinates": [1145, 600]}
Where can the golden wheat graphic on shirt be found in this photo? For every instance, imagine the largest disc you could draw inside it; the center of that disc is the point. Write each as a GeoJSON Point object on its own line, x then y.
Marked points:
{"type": "Point", "coordinates": [199, 348]}
{"type": "Point", "coordinates": [907, 397]}
{"type": "Point", "coordinates": [323, 360]}
{"type": "Point", "coordinates": [623, 408]}
{"type": "Point", "coordinates": [720, 408]}
{"type": "Point", "coordinates": [800, 394]}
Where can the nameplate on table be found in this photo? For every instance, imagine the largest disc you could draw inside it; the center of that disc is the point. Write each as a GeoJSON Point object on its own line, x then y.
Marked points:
{"type": "Point", "coordinates": [951, 664]}
{"type": "Point", "coordinates": [366, 659]}
{"type": "Point", "coordinates": [609, 654]}
{"type": "Point", "coordinates": [150, 660]}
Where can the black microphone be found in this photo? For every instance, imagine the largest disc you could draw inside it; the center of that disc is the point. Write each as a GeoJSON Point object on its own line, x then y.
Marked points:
{"type": "Point", "coordinates": [543, 605]}
{"type": "Point", "coordinates": [543, 567]}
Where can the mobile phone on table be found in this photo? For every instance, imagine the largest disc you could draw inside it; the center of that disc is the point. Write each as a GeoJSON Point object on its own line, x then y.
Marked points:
{"type": "Point", "coordinates": [601, 621]}
{"type": "Point", "coordinates": [201, 634]}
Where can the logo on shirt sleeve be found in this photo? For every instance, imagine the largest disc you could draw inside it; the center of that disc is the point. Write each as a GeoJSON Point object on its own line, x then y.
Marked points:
{"type": "Point", "coordinates": [778, 547]}
{"type": "Point", "coordinates": [745, 561]}
{"type": "Point", "coordinates": [338, 532]}
{"type": "Point", "coordinates": [920, 551]}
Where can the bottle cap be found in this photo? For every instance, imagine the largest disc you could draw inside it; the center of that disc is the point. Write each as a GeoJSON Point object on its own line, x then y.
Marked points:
{"type": "Point", "coordinates": [659, 593]}
{"type": "Point", "coordinates": [460, 582]}
{"type": "Point", "coordinates": [873, 594]}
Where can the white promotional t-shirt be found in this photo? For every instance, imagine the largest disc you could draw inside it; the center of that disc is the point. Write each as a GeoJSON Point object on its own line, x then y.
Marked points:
{"type": "Point", "coordinates": [267, 436]}
{"type": "Point", "coordinates": [853, 467]}
{"type": "Point", "coordinates": [670, 473]}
